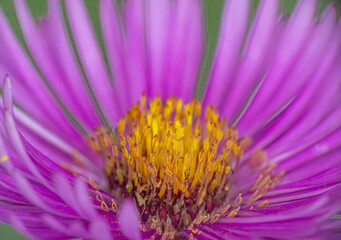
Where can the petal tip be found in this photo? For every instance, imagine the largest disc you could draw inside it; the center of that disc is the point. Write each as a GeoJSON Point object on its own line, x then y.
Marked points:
{"type": "Point", "coordinates": [331, 11]}
{"type": "Point", "coordinates": [7, 93]}
{"type": "Point", "coordinates": [129, 221]}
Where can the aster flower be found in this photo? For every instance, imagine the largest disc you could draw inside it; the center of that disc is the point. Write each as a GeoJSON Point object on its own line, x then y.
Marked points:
{"type": "Point", "coordinates": [121, 148]}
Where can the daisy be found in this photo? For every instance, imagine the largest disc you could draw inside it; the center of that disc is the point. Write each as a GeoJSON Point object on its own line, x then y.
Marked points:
{"type": "Point", "coordinates": [115, 144]}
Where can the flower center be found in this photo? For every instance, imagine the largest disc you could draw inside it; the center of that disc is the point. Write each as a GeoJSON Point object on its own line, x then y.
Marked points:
{"type": "Point", "coordinates": [176, 163]}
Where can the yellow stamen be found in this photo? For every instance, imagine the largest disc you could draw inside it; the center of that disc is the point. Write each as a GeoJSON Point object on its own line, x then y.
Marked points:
{"type": "Point", "coordinates": [264, 203]}
{"type": "Point", "coordinates": [172, 160]}
{"type": "Point", "coordinates": [171, 145]}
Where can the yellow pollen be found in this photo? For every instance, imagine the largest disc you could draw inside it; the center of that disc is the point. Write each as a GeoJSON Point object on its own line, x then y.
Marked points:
{"type": "Point", "coordinates": [4, 158]}
{"type": "Point", "coordinates": [169, 143]}
{"type": "Point", "coordinates": [264, 203]}
{"type": "Point", "coordinates": [177, 164]}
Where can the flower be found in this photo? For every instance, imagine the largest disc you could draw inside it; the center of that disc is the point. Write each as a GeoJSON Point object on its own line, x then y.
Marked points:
{"type": "Point", "coordinates": [86, 156]}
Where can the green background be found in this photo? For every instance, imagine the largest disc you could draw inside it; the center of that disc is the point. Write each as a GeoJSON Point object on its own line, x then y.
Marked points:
{"type": "Point", "coordinates": [213, 12]}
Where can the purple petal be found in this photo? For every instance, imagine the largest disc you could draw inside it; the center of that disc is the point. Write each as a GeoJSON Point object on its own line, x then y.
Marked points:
{"type": "Point", "coordinates": [29, 90]}
{"type": "Point", "coordinates": [116, 48]}
{"type": "Point", "coordinates": [99, 230]}
{"type": "Point", "coordinates": [185, 49]}
{"type": "Point", "coordinates": [290, 48]}
{"type": "Point", "coordinates": [91, 58]}
{"type": "Point", "coordinates": [135, 58]}
{"type": "Point", "coordinates": [258, 53]}
{"type": "Point", "coordinates": [128, 221]}
{"type": "Point", "coordinates": [234, 23]}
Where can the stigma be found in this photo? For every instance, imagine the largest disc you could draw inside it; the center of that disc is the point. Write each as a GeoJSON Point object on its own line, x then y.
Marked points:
{"type": "Point", "coordinates": [176, 162]}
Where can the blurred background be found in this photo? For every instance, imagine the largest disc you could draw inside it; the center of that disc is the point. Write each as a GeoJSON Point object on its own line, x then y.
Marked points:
{"type": "Point", "coordinates": [212, 10]}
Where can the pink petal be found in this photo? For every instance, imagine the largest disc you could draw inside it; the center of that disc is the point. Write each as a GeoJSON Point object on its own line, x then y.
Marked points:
{"type": "Point", "coordinates": [234, 23]}
{"type": "Point", "coordinates": [128, 221]}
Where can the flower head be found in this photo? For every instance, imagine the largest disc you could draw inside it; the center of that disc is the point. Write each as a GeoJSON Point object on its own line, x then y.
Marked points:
{"type": "Point", "coordinates": [114, 144]}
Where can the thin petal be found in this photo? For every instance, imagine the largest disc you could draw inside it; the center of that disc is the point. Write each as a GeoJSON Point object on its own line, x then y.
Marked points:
{"type": "Point", "coordinates": [263, 36]}
{"type": "Point", "coordinates": [91, 58]}
{"type": "Point", "coordinates": [234, 23]}
{"type": "Point", "coordinates": [290, 48]}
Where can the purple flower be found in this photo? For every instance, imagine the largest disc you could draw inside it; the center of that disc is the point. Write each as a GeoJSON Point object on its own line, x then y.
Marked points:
{"type": "Point", "coordinates": [118, 147]}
